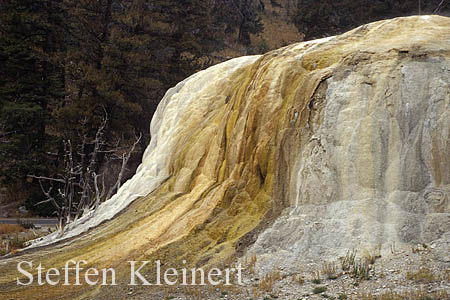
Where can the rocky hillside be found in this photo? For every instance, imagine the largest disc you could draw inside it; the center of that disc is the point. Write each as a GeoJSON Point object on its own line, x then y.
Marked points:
{"type": "Point", "coordinates": [279, 30]}
{"type": "Point", "coordinates": [292, 157]}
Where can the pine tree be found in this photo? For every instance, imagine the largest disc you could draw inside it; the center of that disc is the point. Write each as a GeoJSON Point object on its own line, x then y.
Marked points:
{"type": "Point", "coordinates": [241, 16]}
{"type": "Point", "coordinates": [327, 17]}
{"type": "Point", "coordinates": [67, 64]}
{"type": "Point", "coordinates": [154, 45]}
{"type": "Point", "coordinates": [31, 82]}
{"type": "Point", "coordinates": [98, 75]}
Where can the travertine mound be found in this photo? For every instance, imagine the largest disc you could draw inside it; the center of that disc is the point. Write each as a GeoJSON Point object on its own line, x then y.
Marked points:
{"type": "Point", "coordinates": [299, 154]}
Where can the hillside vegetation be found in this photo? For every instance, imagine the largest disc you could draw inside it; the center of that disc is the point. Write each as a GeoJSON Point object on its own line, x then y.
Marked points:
{"type": "Point", "coordinates": [67, 65]}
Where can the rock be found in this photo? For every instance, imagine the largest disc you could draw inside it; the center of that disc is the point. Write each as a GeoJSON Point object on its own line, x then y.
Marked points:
{"type": "Point", "coordinates": [295, 156]}
{"type": "Point", "coordinates": [324, 146]}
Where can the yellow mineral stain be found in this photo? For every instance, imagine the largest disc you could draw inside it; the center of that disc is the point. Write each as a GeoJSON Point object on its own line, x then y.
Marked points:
{"type": "Point", "coordinates": [231, 164]}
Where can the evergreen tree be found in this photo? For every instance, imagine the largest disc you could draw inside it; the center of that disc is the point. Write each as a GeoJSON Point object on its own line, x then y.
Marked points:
{"type": "Point", "coordinates": [31, 82]}
{"type": "Point", "coordinates": [153, 46]}
{"type": "Point", "coordinates": [328, 17]}
{"type": "Point", "coordinates": [242, 16]}
{"type": "Point", "coordinates": [66, 64]}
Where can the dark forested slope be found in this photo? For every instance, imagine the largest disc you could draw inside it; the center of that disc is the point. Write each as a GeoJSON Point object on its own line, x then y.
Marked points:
{"type": "Point", "coordinates": [67, 66]}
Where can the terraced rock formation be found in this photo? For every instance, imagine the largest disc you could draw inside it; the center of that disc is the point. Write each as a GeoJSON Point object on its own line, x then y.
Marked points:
{"type": "Point", "coordinates": [296, 155]}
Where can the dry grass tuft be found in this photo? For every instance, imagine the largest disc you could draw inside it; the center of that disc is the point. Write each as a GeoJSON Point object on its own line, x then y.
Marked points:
{"type": "Point", "coordinates": [11, 228]}
{"type": "Point", "coordinates": [299, 279]}
{"type": "Point", "coordinates": [407, 295]}
{"type": "Point", "coordinates": [316, 278]}
{"type": "Point", "coordinates": [330, 270]}
{"type": "Point", "coordinates": [267, 283]}
{"type": "Point", "coordinates": [348, 260]}
{"type": "Point", "coordinates": [424, 275]}
{"type": "Point", "coordinates": [251, 264]}
{"type": "Point", "coordinates": [362, 270]}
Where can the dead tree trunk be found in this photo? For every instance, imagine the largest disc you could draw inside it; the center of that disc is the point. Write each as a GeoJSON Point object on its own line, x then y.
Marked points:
{"type": "Point", "coordinates": [82, 182]}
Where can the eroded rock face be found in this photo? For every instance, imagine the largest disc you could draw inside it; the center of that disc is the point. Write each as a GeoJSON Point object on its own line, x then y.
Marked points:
{"type": "Point", "coordinates": [299, 154]}
{"type": "Point", "coordinates": [313, 149]}
{"type": "Point", "coordinates": [375, 171]}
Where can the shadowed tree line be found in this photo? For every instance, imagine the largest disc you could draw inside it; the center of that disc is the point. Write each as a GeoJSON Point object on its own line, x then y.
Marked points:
{"type": "Point", "coordinates": [66, 64]}
{"type": "Point", "coordinates": [321, 18]}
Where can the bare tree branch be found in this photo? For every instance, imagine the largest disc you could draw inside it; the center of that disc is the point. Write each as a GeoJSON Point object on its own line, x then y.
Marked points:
{"type": "Point", "coordinates": [79, 190]}
{"type": "Point", "coordinates": [7, 133]}
{"type": "Point", "coordinates": [125, 159]}
{"type": "Point", "coordinates": [46, 178]}
{"type": "Point", "coordinates": [438, 9]}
